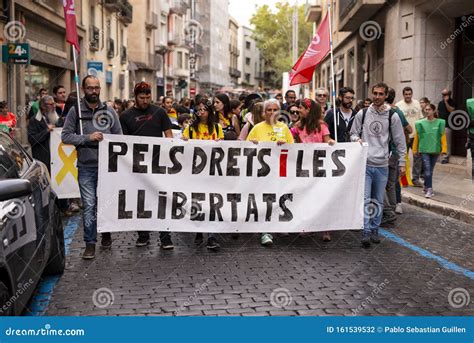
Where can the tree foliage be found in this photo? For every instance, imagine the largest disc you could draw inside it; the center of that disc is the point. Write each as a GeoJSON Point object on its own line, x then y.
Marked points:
{"type": "Point", "coordinates": [273, 34]}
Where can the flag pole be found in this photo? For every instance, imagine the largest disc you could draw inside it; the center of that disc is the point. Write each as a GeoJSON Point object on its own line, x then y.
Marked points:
{"type": "Point", "coordinates": [76, 80]}
{"type": "Point", "coordinates": [333, 91]}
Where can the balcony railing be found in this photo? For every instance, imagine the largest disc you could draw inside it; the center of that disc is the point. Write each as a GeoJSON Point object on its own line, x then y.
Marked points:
{"type": "Point", "coordinates": [353, 13]}
{"type": "Point", "coordinates": [313, 10]}
{"type": "Point", "coordinates": [114, 5]}
{"type": "Point", "coordinates": [126, 13]}
{"type": "Point", "coordinates": [152, 21]}
{"type": "Point", "coordinates": [233, 72]}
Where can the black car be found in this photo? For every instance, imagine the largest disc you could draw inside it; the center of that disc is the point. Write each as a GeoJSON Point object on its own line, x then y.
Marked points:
{"type": "Point", "coordinates": [31, 230]}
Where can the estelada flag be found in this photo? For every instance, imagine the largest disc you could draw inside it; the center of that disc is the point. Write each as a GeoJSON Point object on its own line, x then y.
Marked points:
{"type": "Point", "coordinates": [71, 28]}
{"type": "Point", "coordinates": [302, 71]}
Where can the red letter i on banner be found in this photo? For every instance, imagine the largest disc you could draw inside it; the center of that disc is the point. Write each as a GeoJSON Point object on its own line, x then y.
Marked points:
{"type": "Point", "coordinates": [283, 159]}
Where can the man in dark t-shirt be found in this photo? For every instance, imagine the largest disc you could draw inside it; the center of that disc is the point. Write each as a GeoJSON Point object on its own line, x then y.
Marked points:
{"type": "Point", "coordinates": [145, 119]}
{"type": "Point", "coordinates": [445, 107]}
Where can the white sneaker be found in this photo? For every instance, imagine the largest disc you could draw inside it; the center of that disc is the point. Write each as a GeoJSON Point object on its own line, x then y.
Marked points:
{"type": "Point", "coordinates": [399, 209]}
{"type": "Point", "coordinates": [266, 239]}
{"type": "Point", "coordinates": [429, 193]}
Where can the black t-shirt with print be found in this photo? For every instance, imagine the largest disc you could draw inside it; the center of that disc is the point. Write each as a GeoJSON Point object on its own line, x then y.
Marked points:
{"type": "Point", "coordinates": [152, 121]}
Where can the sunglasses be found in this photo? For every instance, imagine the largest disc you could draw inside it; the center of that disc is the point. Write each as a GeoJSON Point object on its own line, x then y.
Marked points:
{"type": "Point", "coordinates": [294, 112]}
{"type": "Point", "coordinates": [321, 95]}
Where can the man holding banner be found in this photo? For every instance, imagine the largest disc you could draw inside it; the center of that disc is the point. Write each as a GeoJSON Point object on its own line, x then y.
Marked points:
{"type": "Point", "coordinates": [145, 119]}
{"type": "Point", "coordinates": [97, 118]}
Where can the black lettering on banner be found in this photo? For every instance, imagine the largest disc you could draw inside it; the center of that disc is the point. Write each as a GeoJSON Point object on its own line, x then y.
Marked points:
{"type": "Point", "coordinates": [122, 214]}
{"type": "Point", "coordinates": [341, 168]}
{"type": "Point", "coordinates": [113, 156]}
{"type": "Point", "coordinates": [215, 206]}
{"type": "Point", "coordinates": [300, 172]}
{"type": "Point", "coordinates": [250, 153]}
{"type": "Point", "coordinates": [270, 199]}
{"type": "Point", "coordinates": [252, 208]}
{"type": "Point", "coordinates": [286, 216]}
{"type": "Point", "coordinates": [196, 207]}
{"type": "Point", "coordinates": [265, 168]}
{"type": "Point", "coordinates": [198, 168]}
{"type": "Point", "coordinates": [233, 198]}
{"type": "Point", "coordinates": [141, 213]}
{"type": "Point", "coordinates": [177, 207]}
{"type": "Point", "coordinates": [217, 155]}
{"type": "Point", "coordinates": [318, 163]}
{"type": "Point", "coordinates": [177, 167]}
{"type": "Point", "coordinates": [232, 169]}
{"type": "Point", "coordinates": [162, 205]}
{"type": "Point", "coordinates": [155, 161]}
{"type": "Point", "coordinates": [138, 157]}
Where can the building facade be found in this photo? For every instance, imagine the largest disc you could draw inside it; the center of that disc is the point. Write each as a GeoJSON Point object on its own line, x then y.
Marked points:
{"type": "Point", "coordinates": [249, 61]}
{"type": "Point", "coordinates": [234, 52]}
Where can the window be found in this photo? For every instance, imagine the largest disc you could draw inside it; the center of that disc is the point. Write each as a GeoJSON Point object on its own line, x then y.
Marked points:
{"type": "Point", "coordinates": [247, 45]}
{"type": "Point", "coordinates": [247, 61]}
{"type": "Point", "coordinates": [180, 60]}
{"type": "Point", "coordinates": [247, 77]}
{"type": "Point", "coordinates": [186, 60]}
{"type": "Point", "coordinates": [13, 161]}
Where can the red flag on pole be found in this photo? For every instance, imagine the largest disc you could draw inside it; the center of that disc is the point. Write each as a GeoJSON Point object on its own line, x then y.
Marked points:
{"type": "Point", "coordinates": [71, 29]}
{"type": "Point", "coordinates": [302, 71]}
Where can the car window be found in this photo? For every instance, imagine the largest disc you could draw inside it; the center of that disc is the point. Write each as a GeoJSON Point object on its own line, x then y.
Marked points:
{"type": "Point", "coordinates": [13, 161]}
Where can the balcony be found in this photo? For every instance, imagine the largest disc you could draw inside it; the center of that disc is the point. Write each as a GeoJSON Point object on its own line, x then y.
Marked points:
{"type": "Point", "coordinates": [175, 38]}
{"type": "Point", "coordinates": [94, 38]}
{"type": "Point", "coordinates": [126, 13]}
{"type": "Point", "coordinates": [179, 6]}
{"type": "Point", "coordinates": [114, 5]}
{"type": "Point", "coordinates": [181, 72]}
{"type": "Point", "coordinates": [152, 21]}
{"type": "Point", "coordinates": [353, 13]}
{"type": "Point", "coordinates": [313, 11]}
{"type": "Point", "coordinates": [233, 72]}
{"type": "Point", "coordinates": [161, 48]}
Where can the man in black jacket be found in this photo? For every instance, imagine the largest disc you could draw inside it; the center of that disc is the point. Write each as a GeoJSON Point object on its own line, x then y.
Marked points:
{"type": "Point", "coordinates": [345, 113]}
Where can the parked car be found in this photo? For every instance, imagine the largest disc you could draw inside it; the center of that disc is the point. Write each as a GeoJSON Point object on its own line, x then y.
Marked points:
{"type": "Point", "coordinates": [31, 230]}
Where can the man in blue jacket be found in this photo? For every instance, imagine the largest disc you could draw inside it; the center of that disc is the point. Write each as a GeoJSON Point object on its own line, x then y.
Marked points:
{"type": "Point", "coordinates": [97, 118]}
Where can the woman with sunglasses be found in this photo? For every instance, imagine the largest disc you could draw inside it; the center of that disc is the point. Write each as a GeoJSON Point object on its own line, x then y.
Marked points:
{"type": "Point", "coordinates": [311, 128]}
{"type": "Point", "coordinates": [204, 127]}
{"type": "Point", "coordinates": [294, 112]}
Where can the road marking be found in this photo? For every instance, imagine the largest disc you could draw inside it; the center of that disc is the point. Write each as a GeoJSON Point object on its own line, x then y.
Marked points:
{"type": "Point", "coordinates": [425, 253]}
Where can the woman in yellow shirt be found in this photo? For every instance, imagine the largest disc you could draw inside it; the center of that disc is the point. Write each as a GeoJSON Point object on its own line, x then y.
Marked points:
{"type": "Point", "coordinates": [205, 127]}
{"type": "Point", "coordinates": [270, 130]}
{"type": "Point", "coordinates": [224, 114]}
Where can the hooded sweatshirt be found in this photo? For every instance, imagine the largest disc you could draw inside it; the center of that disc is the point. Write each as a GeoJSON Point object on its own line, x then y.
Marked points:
{"type": "Point", "coordinates": [376, 133]}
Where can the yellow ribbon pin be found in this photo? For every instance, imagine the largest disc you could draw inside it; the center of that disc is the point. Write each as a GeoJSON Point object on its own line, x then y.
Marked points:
{"type": "Point", "coordinates": [68, 166]}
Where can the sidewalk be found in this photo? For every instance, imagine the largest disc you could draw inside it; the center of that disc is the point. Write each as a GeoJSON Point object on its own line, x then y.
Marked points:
{"type": "Point", "coordinates": [454, 193]}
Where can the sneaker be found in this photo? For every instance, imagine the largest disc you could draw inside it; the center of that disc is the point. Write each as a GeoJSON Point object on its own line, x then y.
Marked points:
{"type": "Point", "coordinates": [266, 239]}
{"type": "Point", "coordinates": [199, 238]}
{"type": "Point", "coordinates": [212, 244]}
{"type": "Point", "coordinates": [142, 241]}
{"type": "Point", "coordinates": [167, 243]}
{"type": "Point", "coordinates": [89, 252]}
{"type": "Point", "coordinates": [106, 241]}
{"type": "Point", "coordinates": [417, 183]}
{"type": "Point", "coordinates": [374, 238]}
{"type": "Point", "coordinates": [445, 161]}
{"type": "Point", "coordinates": [365, 242]}
{"type": "Point", "coordinates": [429, 193]}
{"type": "Point", "coordinates": [326, 237]}
{"type": "Point", "coordinates": [399, 209]}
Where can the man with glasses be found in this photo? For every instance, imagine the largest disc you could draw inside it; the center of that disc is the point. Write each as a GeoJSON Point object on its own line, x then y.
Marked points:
{"type": "Point", "coordinates": [376, 126]}
{"type": "Point", "coordinates": [146, 119]}
{"type": "Point", "coordinates": [322, 98]}
{"type": "Point", "coordinates": [344, 113]}
{"type": "Point", "coordinates": [97, 118]}
{"type": "Point", "coordinates": [445, 107]}
{"type": "Point", "coordinates": [39, 130]}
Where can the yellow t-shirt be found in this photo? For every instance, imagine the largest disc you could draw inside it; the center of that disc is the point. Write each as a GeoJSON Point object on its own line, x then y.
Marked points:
{"type": "Point", "coordinates": [223, 120]}
{"type": "Point", "coordinates": [264, 132]}
{"type": "Point", "coordinates": [172, 114]}
{"type": "Point", "coordinates": [203, 133]}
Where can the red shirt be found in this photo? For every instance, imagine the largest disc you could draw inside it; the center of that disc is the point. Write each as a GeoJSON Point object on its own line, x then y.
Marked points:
{"type": "Point", "coordinates": [8, 123]}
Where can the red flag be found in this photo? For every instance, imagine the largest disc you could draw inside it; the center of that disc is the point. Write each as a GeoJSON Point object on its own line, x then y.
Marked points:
{"type": "Point", "coordinates": [71, 29]}
{"type": "Point", "coordinates": [302, 71]}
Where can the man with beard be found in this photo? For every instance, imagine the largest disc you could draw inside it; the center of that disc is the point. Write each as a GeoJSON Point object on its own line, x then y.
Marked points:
{"type": "Point", "coordinates": [145, 119]}
{"type": "Point", "coordinates": [344, 113]}
{"type": "Point", "coordinates": [97, 119]}
{"type": "Point", "coordinates": [39, 130]}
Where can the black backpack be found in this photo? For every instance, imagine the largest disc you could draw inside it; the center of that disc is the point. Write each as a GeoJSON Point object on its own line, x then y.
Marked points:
{"type": "Point", "coordinates": [391, 112]}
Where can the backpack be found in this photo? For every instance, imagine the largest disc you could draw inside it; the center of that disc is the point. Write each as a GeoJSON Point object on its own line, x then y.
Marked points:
{"type": "Point", "coordinates": [391, 112]}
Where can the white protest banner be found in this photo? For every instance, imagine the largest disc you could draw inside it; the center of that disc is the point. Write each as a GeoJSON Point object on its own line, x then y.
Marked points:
{"type": "Point", "coordinates": [63, 167]}
{"type": "Point", "coordinates": [160, 184]}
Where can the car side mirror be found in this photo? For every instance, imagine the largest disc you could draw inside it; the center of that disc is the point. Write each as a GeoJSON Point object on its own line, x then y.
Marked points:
{"type": "Point", "coordinates": [14, 188]}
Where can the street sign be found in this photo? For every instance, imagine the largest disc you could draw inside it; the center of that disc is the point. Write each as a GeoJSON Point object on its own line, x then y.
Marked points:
{"type": "Point", "coordinates": [94, 68]}
{"type": "Point", "coordinates": [16, 53]}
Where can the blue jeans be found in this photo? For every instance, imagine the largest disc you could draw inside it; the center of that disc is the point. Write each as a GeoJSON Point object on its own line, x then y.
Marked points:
{"type": "Point", "coordinates": [87, 178]}
{"type": "Point", "coordinates": [375, 183]}
{"type": "Point", "coordinates": [429, 161]}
